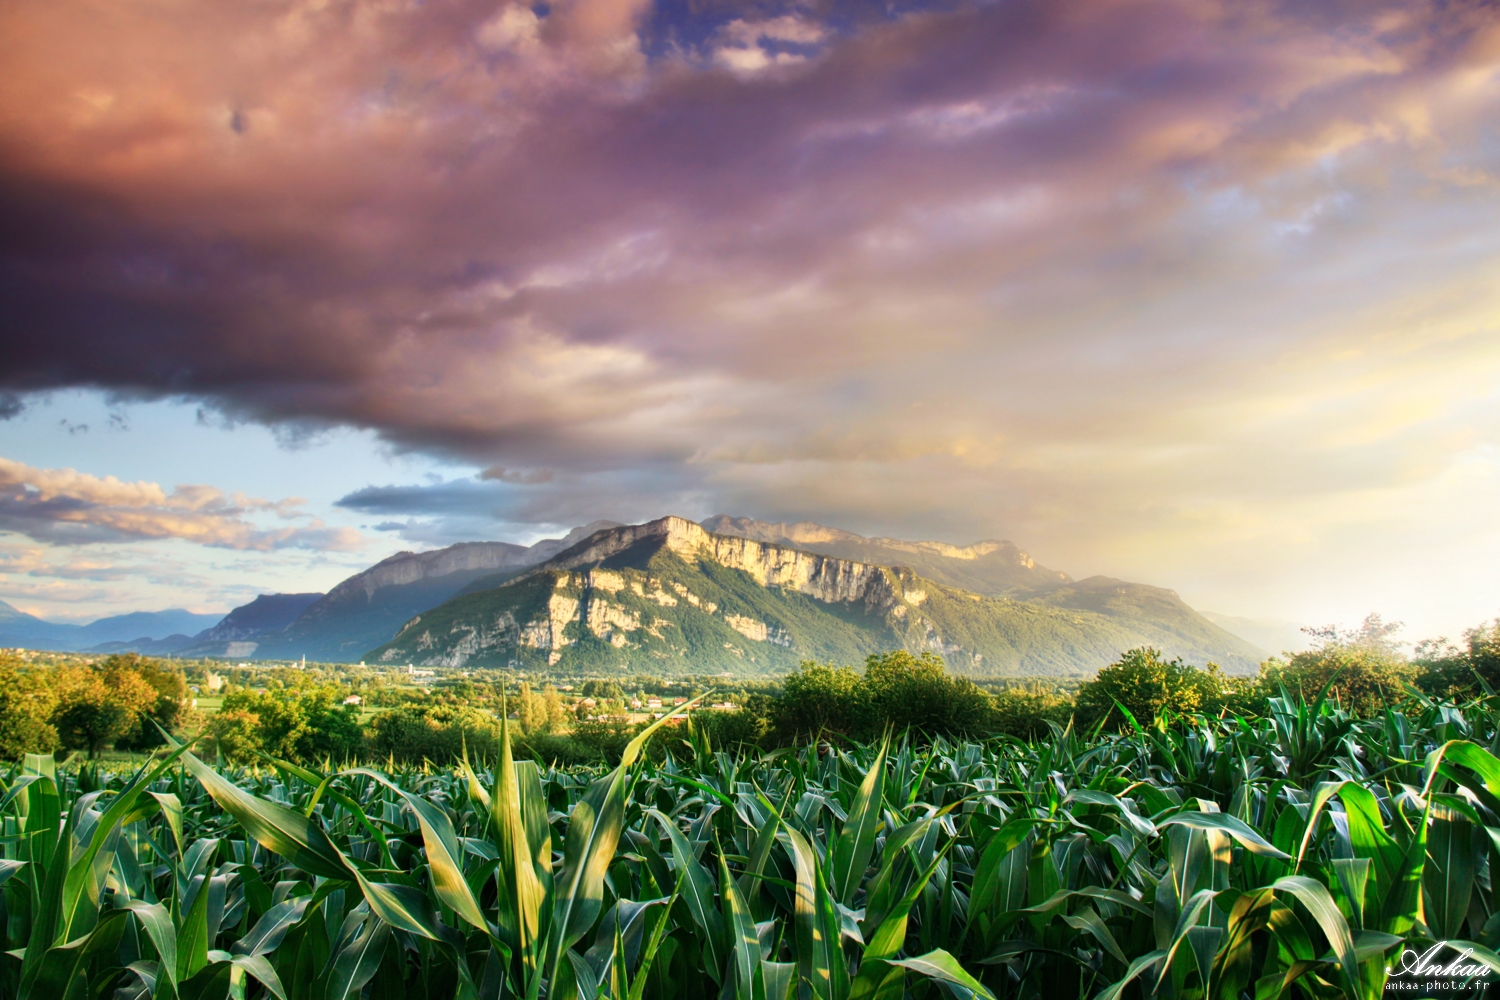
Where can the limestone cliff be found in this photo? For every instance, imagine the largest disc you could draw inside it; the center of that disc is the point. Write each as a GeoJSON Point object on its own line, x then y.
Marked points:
{"type": "Point", "coordinates": [670, 596]}
{"type": "Point", "coordinates": [993, 567]}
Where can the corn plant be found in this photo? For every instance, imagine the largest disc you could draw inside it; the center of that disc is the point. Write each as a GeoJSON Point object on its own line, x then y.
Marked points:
{"type": "Point", "coordinates": [1299, 855]}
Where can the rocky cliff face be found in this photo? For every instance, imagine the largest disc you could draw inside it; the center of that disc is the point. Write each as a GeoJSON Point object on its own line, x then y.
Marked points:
{"type": "Point", "coordinates": [991, 567]}
{"type": "Point", "coordinates": [671, 596]}
{"type": "Point", "coordinates": [821, 577]}
{"type": "Point", "coordinates": [615, 590]}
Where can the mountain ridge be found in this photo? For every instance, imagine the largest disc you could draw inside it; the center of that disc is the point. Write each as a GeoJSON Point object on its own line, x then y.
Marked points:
{"type": "Point", "coordinates": [992, 566]}
{"type": "Point", "coordinates": [17, 628]}
{"type": "Point", "coordinates": [367, 608]}
{"type": "Point", "coordinates": [612, 600]}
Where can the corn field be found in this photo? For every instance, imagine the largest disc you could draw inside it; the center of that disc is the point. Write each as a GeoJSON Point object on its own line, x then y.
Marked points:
{"type": "Point", "coordinates": [1295, 855]}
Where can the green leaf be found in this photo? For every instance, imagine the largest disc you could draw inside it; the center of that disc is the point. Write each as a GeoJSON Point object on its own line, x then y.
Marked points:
{"type": "Point", "coordinates": [938, 964]}
{"type": "Point", "coordinates": [699, 894]}
{"type": "Point", "coordinates": [444, 856]}
{"type": "Point", "coordinates": [192, 944]}
{"type": "Point", "coordinates": [856, 841]}
{"type": "Point", "coordinates": [277, 828]}
{"type": "Point", "coordinates": [521, 890]}
{"type": "Point", "coordinates": [157, 922]}
{"type": "Point", "coordinates": [1140, 965]}
{"type": "Point", "coordinates": [1323, 909]}
{"type": "Point", "coordinates": [593, 833]}
{"type": "Point", "coordinates": [744, 941]}
{"type": "Point", "coordinates": [269, 931]}
{"type": "Point", "coordinates": [357, 962]}
{"type": "Point", "coordinates": [1226, 823]}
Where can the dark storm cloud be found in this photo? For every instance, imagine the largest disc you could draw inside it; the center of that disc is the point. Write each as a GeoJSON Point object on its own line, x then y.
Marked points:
{"type": "Point", "coordinates": [453, 497]}
{"type": "Point", "coordinates": [1087, 271]}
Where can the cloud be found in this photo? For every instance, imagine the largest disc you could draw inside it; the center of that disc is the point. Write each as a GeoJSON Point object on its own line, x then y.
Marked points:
{"type": "Point", "coordinates": [517, 477]}
{"type": "Point", "coordinates": [66, 507]}
{"type": "Point", "coordinates": [1121, 280]}
{"type": "Point", "coordinates": [748, 47]}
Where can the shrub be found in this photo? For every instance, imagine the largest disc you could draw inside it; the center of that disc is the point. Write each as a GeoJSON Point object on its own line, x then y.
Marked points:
{"type": "Point", "coordinates": [749, 725]}
{"type": "Point", "coordinates": [604, 737]}
{"type": "Point", "coordinates": [1148, 684]}
{"type": "Point", "coordinates": [1025, 712]}
{"type": "Point", "coordinates": [821, 700]}
{"type": "Point", "coordinates": [1448, 671]}
{"type": "Point", "coordinates": [562, 751]}
{"type": "Point", "coordinates": [168, 711]}
{"type": "Point", "coordinates": [98, 705]}
{"type": "Point", "coordinates": [303, 726]}
{"type": "Point", "coordinates": [1362, 668]}
{"type": "Point", "coordinates": [434, 732]}
{"type": "Point", "coordinates": [916, 692]}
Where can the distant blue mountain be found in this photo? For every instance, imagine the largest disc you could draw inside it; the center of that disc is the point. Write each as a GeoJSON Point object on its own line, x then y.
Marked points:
{"type": "Point", "coordinates": [139, 627]}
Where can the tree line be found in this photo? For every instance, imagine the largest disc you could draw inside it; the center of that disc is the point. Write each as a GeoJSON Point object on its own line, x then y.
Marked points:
{"type": "Point", "coordinates": [121, 701]}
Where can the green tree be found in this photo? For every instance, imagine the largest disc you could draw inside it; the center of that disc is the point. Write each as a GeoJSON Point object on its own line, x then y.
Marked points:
{"type": "Point", "coordinates": [26, 703]}
{"type": "Point", "coordinates": [1148, 684]}
{"type": "Point", "coordinates": [916, 692]}
{"type": "Point", "coordinates": [603, 690]}
{"type": "Point", "coordinates": [298, 725]}
{"type": "Point", "coordinates": [749, 725]}
{"type": "Point", "coordinates": [1362, 668]}
{"type": "Point", "coordinates": [236, 735]}
{"type": "Point", "coordinates": [437, 733]}
{"type": "Point", "coordinates": [98, 705]}
{"type": "Point", "coordinates": [1023, 712]}
{"type": "Point", "coordinates": [819, 700]}
{"type": "Point", "coordinates": [172, 700]}
{"type": "Point", "coordinates": [1446, 670]}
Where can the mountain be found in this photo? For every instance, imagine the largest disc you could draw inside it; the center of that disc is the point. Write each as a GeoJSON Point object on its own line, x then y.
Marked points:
{"type": "Point", "coordinates": [146, 646]}
{"type": "Point", "coordinates": [671, 596]}
{"type": "Point", "coordinates": [366, 609]}
{"type": "Point", "coordinates": [149, 625]}
{"type": "Point", "coordinates": [17, 628]}
{"type": "Point", "coordinates": [20, 629]}
{"type": "Point", "coordinates": [239, 632]}
{"type": "Point", "coordinates": [999, 569]}
{"type": "Point", "coordinates": [1273, 634]}
{"type": "Point", "coordinates": [990, 567]}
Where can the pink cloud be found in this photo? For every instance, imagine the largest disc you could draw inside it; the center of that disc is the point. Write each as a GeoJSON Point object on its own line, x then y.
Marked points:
{"type": "Point", "coordinates": [64, 506]}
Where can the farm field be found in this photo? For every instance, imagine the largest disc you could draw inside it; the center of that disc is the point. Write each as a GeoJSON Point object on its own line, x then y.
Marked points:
{"type": "Point", "coordinates": [1294, 855]}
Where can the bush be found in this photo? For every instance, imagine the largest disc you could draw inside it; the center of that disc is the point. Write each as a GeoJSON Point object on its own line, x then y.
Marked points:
{"type": "Point", "coordinates": [605, 737]}
{"type": "Point", "coordinates": [1447, 671]}
{"type": "Point", "coordinates": [1362, 668]}
{"type": "Point", "coordinates": [1148, 685]}
{"type": "Point", "coordinates": [168, 711]}
{"type": "Point", "coordinates": [100, 704]}
{"type": "Point", "coordinates": [820, 701]}
{"type": "Point", "coordinates": [1025, 712]}
{"type": "Point", "coordinates": [897, 691]}
{"type": "Point", "coordinates": [437, 733]}
{"type": "Point", "coordinates": [561, 751]}
{"type": "Point", "coordinates": [749, 725]}
{"type": "Point", "coordinates": [301, 726]}
{"type": "Point", "coordinates": [916, 692]}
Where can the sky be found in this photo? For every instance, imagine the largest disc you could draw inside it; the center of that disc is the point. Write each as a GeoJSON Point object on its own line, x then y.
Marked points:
{"type": "Point", "coordinates": [1199, 294]}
